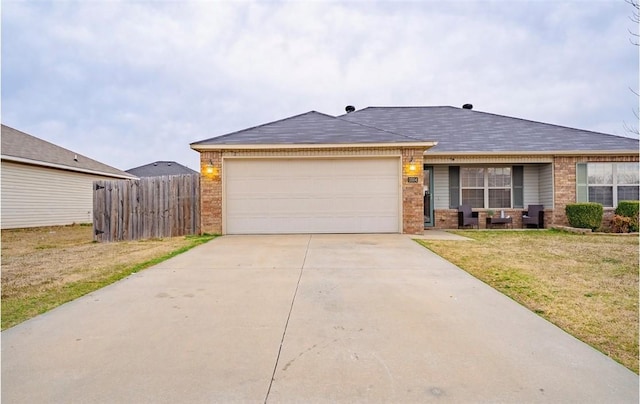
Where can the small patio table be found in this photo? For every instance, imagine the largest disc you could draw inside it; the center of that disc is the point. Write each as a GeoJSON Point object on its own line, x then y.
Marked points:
{"type": "Point", "coordinates": [506, 221]}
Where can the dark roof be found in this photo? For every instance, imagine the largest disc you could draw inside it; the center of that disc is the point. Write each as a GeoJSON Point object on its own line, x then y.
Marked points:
{"type": "Point", "coordinates": [465, 130]}
{"type": "Point", "coordinates": [160, 168]}
{"type": "Point", "coordinates": [310, 128]}
{"type": "Point", "coordinates": [456, 130]}
{"type": "Point", "coordinates": [22, 147]}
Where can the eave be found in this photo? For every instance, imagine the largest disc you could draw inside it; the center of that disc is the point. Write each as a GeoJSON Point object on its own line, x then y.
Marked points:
{"type": "Point", "coordinates": [536, 153]}
{"type": "Point", "coordinates": [288, 146]}
{"type": "Point", "coordinates": [63, 167]}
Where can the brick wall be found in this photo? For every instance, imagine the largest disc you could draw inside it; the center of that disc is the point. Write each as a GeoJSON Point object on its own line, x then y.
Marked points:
{"type": "Point", "coordinates": [211, 185]}
{"type": "Point", "coordinates": [211, 192]}
{"type": "Point", "coordinates": [448, 218]}
{"type": "Point", "coordinates": [564, 177]}
{"type": "Point", "coordinates": [445, 219]}
{"type": "Point", "coordinates": [412, 192]}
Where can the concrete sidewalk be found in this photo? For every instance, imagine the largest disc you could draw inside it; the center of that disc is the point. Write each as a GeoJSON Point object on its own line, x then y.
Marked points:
{"type": "Point", "coordinates": [433, 234]}
{"type": "Point", "coordinates": [322, 318]}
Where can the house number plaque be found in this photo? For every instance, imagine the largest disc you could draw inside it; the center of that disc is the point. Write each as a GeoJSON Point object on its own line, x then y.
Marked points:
{"type": "Point", "coordinates": [413, 180]}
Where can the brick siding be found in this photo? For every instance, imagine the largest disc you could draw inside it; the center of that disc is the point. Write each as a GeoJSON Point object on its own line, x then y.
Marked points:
{"type": "Point", "coordinates": [564, 177]}
{"type": "Point", "coordinates": [211, 185]}
{"type": "Point", "coordinates": [448, 218]}
{"type": "Point", "coordinates": [412, 193]}
{"type": "Point", "coordinates": [211, 193]}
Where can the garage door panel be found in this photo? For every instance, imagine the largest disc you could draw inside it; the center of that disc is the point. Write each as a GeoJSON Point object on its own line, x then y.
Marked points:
{"type": "Point", "coordinates": [312, 195]}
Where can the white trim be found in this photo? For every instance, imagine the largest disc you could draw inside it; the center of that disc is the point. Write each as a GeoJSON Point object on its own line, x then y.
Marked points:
{"type": "Point", "coordinates": [615, 185]}
{"type": "Point", "coordinates": [483, 160]}
{"type": "Point", "coordinates": [549, 153]}
{"type": "Point", "coordinates": [63, 167]}
{"type": "Point", "coordinates": [322, 157]}
{"type": "Point", "coordinates": [288, 146]}
{"type": "Point", "coordinates": [486, 187]}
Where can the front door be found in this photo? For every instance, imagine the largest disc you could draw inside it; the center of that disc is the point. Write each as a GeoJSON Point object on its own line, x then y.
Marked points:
{"type": "Point", "coordinates": [428, 196]}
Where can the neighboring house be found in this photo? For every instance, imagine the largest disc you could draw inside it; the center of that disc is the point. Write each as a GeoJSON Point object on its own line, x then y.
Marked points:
{"type": "Point", "coordinates": [44, 184]}
{"type": "Point", "coordinates": [404, 169]}
{"type": "Point", "coordinates": [160, 168]}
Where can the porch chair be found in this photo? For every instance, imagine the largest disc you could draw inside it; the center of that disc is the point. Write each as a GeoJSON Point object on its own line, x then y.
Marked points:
{"type": "Point", "coordinates": [534, 215]}
{"type": "Point", "coordinates": [466, 217]}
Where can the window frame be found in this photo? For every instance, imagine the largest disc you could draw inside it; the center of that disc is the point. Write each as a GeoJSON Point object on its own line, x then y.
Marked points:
{"type": "Point", "coordinates": [486, 169]}
{"type": "Point", "coordinates": [614, 184]}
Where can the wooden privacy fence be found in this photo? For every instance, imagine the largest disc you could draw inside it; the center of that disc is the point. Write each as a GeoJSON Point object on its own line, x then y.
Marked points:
{"type": "Point", "coordinates": [151, 207]}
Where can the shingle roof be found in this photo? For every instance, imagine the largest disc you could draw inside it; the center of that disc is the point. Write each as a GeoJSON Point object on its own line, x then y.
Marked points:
{"type": "Point", "coordinates": [310, 128]}
{"type": "Point", "coordinates": [456, 130]}
{"type": "Point", "coordinates": [22, 147]}
{"type": "Point", "coordinates": [160, 168]}
{"type": "Point", "coordinates": [464, 130]}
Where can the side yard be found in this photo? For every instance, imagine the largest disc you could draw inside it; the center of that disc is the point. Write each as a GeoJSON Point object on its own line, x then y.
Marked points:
{"type": "Point", "coordinates": [585, 284]}
{"type": "Point", "coordinates": [45, 267]}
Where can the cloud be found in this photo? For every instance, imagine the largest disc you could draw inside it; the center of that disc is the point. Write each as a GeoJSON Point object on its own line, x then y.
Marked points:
{"type": "Point", "coordinates": [128, 83]}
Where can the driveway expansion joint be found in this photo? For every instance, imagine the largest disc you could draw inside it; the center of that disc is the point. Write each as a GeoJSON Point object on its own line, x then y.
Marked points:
{"type": "Point", "coordinates": [284, 332]}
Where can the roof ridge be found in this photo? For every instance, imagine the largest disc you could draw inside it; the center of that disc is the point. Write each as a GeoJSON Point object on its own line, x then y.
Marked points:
{"type": "Point", "coordinates": [498, 115]}
{"type": "Point", "coordinates": [157, 162]}
{"type": "Point", "coordinates": [380, 129]}
{"type": "Point", "coordinates": [410, 106]}
{"type": "Point", "coordinates": [400, 107]}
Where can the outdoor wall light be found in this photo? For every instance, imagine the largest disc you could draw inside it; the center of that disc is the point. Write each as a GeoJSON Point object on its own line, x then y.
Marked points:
{"type": "Point", "coordinates": [412, 165]}
{"type": "Point", "coordinates": [210, 170]}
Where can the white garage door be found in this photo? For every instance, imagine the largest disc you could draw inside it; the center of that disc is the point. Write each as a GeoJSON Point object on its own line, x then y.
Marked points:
{"type": "Point", "coordinates": [356, 195]}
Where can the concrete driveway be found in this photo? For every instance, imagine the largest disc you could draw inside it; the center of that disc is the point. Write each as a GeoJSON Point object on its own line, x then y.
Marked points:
{"type": "Point", "coordinates": [321, 318]}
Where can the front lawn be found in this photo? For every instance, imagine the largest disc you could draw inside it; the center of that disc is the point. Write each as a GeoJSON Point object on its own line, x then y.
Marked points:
{"type": "Point", "coordinates": [45, 267]}
{"type": "Point", "coordinates": [585, 284]}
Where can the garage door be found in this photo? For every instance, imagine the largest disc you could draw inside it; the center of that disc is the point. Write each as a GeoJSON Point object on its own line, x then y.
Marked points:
{"type": "Point", "coordinates": [267, 196]}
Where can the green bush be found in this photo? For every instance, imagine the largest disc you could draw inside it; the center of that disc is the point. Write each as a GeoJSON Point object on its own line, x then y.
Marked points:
{"type": "Point", "coordinates": [584, 215]}
{"type": "Point", "coordinates": [631, 210]}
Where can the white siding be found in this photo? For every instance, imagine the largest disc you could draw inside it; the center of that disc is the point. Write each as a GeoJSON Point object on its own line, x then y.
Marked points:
{"type": "Point", "coordinates": [531, 182]}
{"type": "Point", "coordinates": [37, 196]}
{"type": "Point", "coordinates": [441, 187]}
{"type": "Point", "coordinates": [545, 186]}
{"type": "Point", "coordinates": [538, 185]}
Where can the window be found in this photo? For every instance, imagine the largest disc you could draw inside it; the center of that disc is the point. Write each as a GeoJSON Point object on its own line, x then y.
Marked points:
{"type": "Point", "coordinates": [472, 184]}
{"type": "Point", "coordinates": [486, 187]}
{"type": "Point", "coordinates": [610, 183]}
{"type": "Point", "coordinates": [628, 181]}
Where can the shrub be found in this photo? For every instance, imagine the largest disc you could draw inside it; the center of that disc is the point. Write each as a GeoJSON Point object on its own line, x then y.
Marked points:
{"type": "Point", "coordinates": [630, 210]}
{"type": "Point", "coordinates": [620, 224]}
{"type": "Point", "coordinates": [584, 215]}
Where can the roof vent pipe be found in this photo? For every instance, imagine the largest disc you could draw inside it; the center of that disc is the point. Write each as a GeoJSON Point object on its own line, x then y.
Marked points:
{"type": "Point", "coordinates": [350, 109]}
{"type": "Point", "coordinates": [467, 106]}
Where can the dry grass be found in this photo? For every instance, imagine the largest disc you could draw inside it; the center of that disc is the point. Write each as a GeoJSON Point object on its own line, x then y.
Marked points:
{"type": "Point", "coordinates": [585, 284]}
{"type": "Point", "coordinates": [47, 266]}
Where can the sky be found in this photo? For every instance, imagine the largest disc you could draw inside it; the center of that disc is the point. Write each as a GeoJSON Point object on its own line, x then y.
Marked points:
{"type": "Point", "coordinates": [128, 83]}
